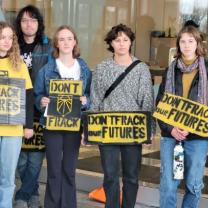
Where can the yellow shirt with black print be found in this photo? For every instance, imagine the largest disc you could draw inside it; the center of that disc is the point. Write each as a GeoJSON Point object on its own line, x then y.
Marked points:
{"type": "Point", "coordinates": [5, 65]}
{"type": "Point", "coordinates": [188, 78]}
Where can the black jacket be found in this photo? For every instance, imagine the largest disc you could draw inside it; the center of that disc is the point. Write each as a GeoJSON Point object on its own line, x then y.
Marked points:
{"type": "Point", "coordinates": [41, 55]}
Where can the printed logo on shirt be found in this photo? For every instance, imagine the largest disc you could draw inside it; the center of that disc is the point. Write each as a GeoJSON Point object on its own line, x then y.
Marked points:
{"type": "Point", "coordinates": [27, 57]}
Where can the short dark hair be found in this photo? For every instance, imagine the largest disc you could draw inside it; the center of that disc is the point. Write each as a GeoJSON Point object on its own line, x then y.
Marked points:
{"type": "Point", "coordinates": [115, 31]}
{"type": "Point", "coordinates": [200, 50]}
{"type": "Point", "coordinates": [34, 13]}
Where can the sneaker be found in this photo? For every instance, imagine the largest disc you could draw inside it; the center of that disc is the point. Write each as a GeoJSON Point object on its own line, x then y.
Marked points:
{"type": "Point", "coordinates": [34, 202]}
{"type": "Point", "coordinates": [20, 204]}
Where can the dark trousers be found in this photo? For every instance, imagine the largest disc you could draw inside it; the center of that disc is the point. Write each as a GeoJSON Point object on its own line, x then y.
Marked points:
{"type": "Point", "coordinates": [131, 163]}
{"type": "Point", "coordinates": [62, 149]}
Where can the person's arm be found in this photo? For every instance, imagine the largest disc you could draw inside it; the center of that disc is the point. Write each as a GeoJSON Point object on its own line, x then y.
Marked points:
{"type": "Point", "coordinates": [146, 95]}
{"type": "Point", "coordinates": [29, 102]}
{"type": "Point", "coordinates": [28, 128]}
{"type": "Point", "coordinates": [29, 110]}
{"type": "Point", "coordinates": [163, 126]}
{"type": "Point", "coordinates": [96, 90]}
{"type": "Point", "coordinates": [85, 99]}
{"type": "Point", "coordinates": [39, 90]}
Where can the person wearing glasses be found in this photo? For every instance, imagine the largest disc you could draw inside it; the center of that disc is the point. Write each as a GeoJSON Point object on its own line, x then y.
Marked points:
{"type": "Point", "coordinates": [35, 50]}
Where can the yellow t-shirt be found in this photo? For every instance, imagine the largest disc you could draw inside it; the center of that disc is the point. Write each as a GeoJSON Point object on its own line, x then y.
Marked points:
{"type": "Point", "coordinates": [14, 130]}
{"type": "Point", "coordinates": [187, 78]}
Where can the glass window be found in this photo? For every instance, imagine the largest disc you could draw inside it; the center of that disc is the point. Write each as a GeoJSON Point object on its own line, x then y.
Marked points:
{"type": "Point", "coordinates": [92, 18]}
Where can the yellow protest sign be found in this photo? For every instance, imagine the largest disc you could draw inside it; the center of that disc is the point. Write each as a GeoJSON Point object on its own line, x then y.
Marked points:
{"type": "Point", "coordinates": [9, 100]}
{"type": "Point", "coordinates": [117, 127]}
{"type": "Point", "coordinates": [63, 123]}
{"type": "Point", "coordinates": [12, 101]}
{"type": "Point", "coordinates": [69, 87]}
{"type": "Point", "coordinates": [183, 113]}
{"type": "Point", "coordinates": [64, 110]}
{"type": "Point", "coordinates": [36, 142]}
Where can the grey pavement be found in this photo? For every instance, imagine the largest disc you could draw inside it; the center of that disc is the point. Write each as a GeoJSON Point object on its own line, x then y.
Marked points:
{"type": "Point", "coordinates": [82, 199]}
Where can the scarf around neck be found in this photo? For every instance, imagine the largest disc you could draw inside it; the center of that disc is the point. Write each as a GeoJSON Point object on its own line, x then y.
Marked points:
{"type": "Point", "coordinates": [202, 96]}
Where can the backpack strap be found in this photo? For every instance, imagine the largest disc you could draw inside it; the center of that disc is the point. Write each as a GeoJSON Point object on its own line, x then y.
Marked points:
{"type": "Point", "coordinates": [120, 78]}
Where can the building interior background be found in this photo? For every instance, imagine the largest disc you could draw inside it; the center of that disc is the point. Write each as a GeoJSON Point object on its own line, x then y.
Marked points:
{"type": "Point", "coordinates": [155, 23]}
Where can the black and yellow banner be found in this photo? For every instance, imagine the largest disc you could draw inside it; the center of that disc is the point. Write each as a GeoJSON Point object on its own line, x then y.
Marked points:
{"type": "Point", "coordinates": [36, 142]}
{"type": "Point", "coordinates": [12, 101]}
{"type": "Point", "coordinates": [183, 113]}
{"type": "Point", "coordinates": [64, 110]}
{"type": "Point", "coordinates": [117, 127]}
{"type": "Point", "coordinates": [65, 87]}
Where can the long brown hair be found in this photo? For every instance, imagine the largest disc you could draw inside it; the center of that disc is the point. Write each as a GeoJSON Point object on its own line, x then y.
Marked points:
{"type": "Point", "coordinates": [14, 51]}
{"type": "Point", "coordinates": [200, 50]}
{"type": "Point", "coordinates": [76, 50]}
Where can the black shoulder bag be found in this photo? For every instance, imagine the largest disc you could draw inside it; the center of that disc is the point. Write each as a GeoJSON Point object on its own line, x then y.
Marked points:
{"type": "Point", "coordinates": [120, 78]}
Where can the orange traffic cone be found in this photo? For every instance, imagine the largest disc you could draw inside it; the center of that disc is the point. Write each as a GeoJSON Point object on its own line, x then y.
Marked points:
{"type": "Point", "coordinates": [98, 194]}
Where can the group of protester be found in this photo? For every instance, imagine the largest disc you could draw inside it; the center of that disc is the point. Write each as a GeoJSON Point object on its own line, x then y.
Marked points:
{"type": "Point", "coordinates": [26, 53]}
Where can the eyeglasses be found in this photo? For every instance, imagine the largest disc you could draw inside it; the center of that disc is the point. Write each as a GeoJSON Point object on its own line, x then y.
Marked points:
{"type": "Point", "coordinates": [32, 20]}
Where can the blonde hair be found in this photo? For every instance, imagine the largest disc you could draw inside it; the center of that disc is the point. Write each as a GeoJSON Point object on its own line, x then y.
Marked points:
{"type": "Point", "coordinates": [76, 50]}
{"type": "Point", "coordinates": [14, 52]}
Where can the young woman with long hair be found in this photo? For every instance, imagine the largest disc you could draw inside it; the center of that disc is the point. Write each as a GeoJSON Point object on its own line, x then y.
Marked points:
{"type": "Point", "coordinates": [12, 67]}
{"type": "Point", "coordinates": [62, 147]}
{"type": "Point", "coordinates": [186, 76]}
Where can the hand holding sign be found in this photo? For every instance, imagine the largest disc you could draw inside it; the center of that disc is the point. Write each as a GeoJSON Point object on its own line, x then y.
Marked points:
{"type": "Point", "coordinates": [28, 133]}
{"type": "Point", "coordinates": [83, 100]}
{"type": "Point", "coordinates": [179, 134]}
{"type": "Point", "coordinates": [44, 101]}
{"type": "Point", "coordinates": [83, 141]}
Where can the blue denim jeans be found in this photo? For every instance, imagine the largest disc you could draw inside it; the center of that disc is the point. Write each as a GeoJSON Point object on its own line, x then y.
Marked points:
{"type": "Point", "coordinates": [195, 152]}
{"type": "Point", "coordinates": [9, 153]}
{"type": "Point", "coordinates": [29, 166]}
{"type": "Point", "coordinates": [131, 162]}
